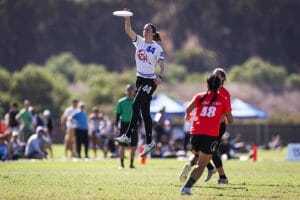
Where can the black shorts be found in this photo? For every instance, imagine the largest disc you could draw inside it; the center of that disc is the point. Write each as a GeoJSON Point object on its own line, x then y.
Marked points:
{"type": "Point", "coordinates": [134, 134]}
{"type": "Point", "coordinates": [145, 85]}
{"type": "Point", "coordinates": [204, 143]}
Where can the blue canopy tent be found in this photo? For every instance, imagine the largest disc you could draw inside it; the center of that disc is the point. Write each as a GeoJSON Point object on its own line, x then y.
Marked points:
{"type": "Point", "coordinates": [172, 106]}
{"type": "Point", "coordinates": [243, 110]}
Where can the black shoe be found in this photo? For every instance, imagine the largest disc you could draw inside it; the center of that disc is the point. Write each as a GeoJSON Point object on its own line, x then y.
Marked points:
{"type": "Point", "coordinates": [132, 166]}
{"type": "Point", "coordinates": [121, 167]}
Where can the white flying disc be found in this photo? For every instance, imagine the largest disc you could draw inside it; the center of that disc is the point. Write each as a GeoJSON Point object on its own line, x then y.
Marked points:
{"type": "Point", "coordinates": [122, 13]}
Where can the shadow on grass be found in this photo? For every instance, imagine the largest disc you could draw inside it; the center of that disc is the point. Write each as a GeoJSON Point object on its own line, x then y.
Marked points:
{"type": "Point", "coordinates": [268, 185]}
{"type": "Point", "coordinates": [229, 187]}
{"type": "Point", "coordinates": [243, 186]}
{"type": "Point", "coordinates": [221, 187]}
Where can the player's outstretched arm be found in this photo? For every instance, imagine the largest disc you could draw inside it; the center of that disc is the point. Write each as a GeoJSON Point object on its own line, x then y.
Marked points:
{"type": "Point", "coordinates": [128, 29]}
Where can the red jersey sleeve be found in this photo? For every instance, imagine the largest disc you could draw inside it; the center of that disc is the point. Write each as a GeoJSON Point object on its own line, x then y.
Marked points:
{"type": "Point", "coordinates": [226, 94]}
{"type": "Point", "coordinates": [196, 99]}
{"type": "Point", "coordinates": [227, 106]}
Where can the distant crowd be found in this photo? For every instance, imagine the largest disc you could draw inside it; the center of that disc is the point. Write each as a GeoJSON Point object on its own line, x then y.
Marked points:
{"type": "Point", "coordinates": [26, 133]}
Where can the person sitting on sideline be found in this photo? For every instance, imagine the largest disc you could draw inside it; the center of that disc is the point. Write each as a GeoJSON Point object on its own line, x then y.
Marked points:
{"type": "Point", "coordinates": [34, 146]}
{"type": "Point", "coordinates": [4, 139]}
{"type": "Point", "coordinates": [16, 147]}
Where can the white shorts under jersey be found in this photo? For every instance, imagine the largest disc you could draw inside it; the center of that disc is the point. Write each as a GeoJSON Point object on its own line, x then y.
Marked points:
{"type": "Point", "coordinates": [146, 57]}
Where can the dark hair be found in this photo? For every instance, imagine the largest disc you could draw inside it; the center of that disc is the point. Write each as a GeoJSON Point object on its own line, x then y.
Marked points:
{"type": "Point", "coordinates": [213, 83]}
{"type": "Point", "coordinates": [75, 101]}
{"type": "Point", "coordinates": [15, 104]}
{"type": "Point", "coordinates": [222, 72]}
{"type": "Point", "coordinates": [156, 36]}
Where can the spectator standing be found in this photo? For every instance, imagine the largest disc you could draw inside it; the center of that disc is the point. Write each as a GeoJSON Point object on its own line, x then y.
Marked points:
{"type": "Point", "coordinates": [48, 122]}
{"type": "Point", "coordinates": [107, 134]}
{"type": "Point", "coordinates": [36, 118]}
{"type": "Point", "coordinates": [96, 121]}
{"type": "Point", "coordinates": [68, 125]}
{"type": "Point", "coordinates": [123, 115]}
{"type": "Point", "coordinates": [25, 119]}
{"type": "Point", "coordinates": [81, 130]}
{"type": "Point", "coordinates": [10, 117]}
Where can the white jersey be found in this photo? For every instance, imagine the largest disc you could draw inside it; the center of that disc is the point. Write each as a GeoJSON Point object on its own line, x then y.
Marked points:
{"type": "Point", "coordinates": [68, 114]}
{"type": "Point", "coordinates": [146, 57]}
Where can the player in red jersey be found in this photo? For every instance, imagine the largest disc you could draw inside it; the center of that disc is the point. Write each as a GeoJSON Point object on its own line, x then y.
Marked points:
{"type": "Point", "coordinates": [220, 72]}
{"type": "Point", "coordinates": [210, 107]}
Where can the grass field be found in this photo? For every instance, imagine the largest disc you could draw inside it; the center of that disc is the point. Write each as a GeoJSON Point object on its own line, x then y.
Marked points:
{"type": "Point", "coordinates": [270, 178]}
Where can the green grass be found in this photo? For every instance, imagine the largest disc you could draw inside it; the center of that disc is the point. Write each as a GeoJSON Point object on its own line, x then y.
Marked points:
{"type": "Point", "coordinates": [270, 178]}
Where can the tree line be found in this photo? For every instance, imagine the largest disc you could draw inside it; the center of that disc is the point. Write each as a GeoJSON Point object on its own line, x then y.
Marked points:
{"type": "Point", "coordinates": [63, 77]}
{"type": "Point", "coordinates": [197, 34]}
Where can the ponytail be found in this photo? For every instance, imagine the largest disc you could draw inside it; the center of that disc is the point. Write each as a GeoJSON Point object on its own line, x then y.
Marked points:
{"type": "Point", "coordinates": [157, 37]}
{"type": "Point", "coordinates": [214, 98]}
{"type": "Point", "coordinates": [203, 97]}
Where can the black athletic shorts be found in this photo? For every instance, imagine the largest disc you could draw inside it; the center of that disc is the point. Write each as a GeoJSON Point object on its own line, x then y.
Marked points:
{"type": "Point", "coordinates": [145, 85]}
{"type": "Point", "coordinates": [204, 143]}
{"type": "Point", "coordinates": [134, 134]}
